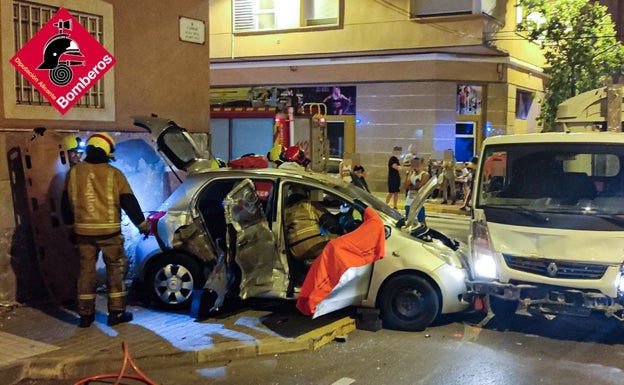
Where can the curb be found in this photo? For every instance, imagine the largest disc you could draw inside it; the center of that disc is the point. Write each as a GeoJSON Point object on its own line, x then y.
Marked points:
{"type": "Point", "coordinates": [72, 367]}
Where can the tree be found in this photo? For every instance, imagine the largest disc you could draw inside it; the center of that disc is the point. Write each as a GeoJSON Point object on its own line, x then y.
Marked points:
{"type": "Point", "coordinates": [580, 47]}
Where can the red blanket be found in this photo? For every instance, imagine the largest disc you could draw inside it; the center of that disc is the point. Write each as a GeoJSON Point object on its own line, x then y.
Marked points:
{"type": "Point", "coordinates": [364, 245]}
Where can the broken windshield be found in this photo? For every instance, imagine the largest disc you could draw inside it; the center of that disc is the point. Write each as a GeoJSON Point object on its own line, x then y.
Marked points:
{"type": "Point", "coordinates": [583, 178]}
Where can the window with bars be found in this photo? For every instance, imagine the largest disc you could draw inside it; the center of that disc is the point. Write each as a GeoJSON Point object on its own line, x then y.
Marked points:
{"type": "Point", "coordinates": [28, 18]}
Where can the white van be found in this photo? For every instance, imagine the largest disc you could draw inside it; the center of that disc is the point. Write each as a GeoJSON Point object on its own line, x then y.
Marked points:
{"type": "Point", "coordinates": [547, 231]}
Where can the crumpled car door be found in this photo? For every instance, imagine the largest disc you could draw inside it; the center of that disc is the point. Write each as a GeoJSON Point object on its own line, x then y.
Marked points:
{"type": "Point", "coordinates": [251, 244]}
{"type": "Point", "coordinates": [350, 290]}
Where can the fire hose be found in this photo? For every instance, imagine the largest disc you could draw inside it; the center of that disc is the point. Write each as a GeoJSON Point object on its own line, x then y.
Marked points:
{"type": "Point", "coordinates": [140, 376]}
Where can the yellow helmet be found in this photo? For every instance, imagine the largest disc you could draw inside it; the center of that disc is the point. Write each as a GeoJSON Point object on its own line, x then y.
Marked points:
{"type": "Point", "coordinates": [73, 143]}
{"type": "Point", "coordinates": [103, 141]}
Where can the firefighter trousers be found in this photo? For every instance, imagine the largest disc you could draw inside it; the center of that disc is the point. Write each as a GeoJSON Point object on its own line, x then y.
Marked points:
{"type": "Point", "coordinates": [114, 256]}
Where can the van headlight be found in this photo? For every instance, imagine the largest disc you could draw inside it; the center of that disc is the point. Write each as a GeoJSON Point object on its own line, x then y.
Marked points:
{"type": "Point", "coordinates": [483, 256]}
{"type": "Point", "coordinates": [619, 281]}
{"type": "Point", "coordinates": [484, 266]}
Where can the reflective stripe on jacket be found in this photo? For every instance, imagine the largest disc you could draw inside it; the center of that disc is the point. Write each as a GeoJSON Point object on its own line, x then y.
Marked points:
{"type": "Point", "coordinates": [94, 192]}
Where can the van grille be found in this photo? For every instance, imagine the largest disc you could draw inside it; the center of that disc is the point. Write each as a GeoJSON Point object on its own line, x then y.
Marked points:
{"type": "Point", "coordinates": [555, 269]}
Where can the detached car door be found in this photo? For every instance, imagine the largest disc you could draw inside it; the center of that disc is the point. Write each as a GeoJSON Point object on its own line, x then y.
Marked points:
{"type": "Point", "coordinates": [253, 259]}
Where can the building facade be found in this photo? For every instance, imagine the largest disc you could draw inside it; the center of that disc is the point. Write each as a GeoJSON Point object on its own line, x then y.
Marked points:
{"type": "Point", "coordinates": [430, 74]}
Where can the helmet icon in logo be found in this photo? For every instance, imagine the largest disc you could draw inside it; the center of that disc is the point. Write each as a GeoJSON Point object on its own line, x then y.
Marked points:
{"type": "Point", "coordinates": [57, 46]}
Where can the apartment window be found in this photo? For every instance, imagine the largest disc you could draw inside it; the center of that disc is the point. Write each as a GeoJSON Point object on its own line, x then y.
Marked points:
{"type": "Point", "coordinates": [269, 15]}
{"type": "Point", "coordinates": [524, 100]}
{"type": "Point", "coordinates": [28, 18]}
{"type": "Point", "coordinates": [423, 8]}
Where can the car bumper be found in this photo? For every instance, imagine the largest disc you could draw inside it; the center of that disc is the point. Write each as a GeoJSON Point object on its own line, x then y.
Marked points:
{"type": "Point", "coordinates": [454, 291]}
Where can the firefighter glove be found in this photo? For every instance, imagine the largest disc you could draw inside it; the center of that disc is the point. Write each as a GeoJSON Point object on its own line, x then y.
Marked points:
{"type": "Point", "coordinates": [144, 229]}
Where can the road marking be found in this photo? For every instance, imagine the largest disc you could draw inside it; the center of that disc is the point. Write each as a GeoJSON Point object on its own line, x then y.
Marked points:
{"type": "Point", "coordinates": [471, 333]}
{"type": "Point", "coordinates": [344, 381]}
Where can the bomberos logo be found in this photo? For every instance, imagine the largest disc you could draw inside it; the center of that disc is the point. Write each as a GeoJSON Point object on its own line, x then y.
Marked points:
{"type": "Point", "coordinates": [63, 61]}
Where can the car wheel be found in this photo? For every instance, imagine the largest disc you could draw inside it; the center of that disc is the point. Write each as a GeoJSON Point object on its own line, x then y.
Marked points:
{"type": "Point", "coordinates": [170, 280]}
{"type": "Point", "coordinates": [408, 302]}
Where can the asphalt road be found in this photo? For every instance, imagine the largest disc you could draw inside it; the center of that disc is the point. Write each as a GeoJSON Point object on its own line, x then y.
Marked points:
{"type": "Point", "coordinates": [512, 351]}
{"type": "Point", "coordinates": [453, 352]}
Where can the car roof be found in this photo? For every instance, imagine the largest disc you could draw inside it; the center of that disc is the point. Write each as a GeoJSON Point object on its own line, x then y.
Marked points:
{"type": "Point", "coordinates": [270, 173]}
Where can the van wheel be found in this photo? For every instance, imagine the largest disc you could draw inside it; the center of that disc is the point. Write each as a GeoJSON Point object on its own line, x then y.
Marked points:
{"type": "Point", "coordinates": [408, 302]}
{"type": "Point", "coordinates": [170, 280]}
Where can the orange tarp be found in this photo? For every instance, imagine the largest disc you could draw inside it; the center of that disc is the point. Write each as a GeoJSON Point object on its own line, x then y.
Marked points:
{"type": "Point", "coordinates": [364, 245]}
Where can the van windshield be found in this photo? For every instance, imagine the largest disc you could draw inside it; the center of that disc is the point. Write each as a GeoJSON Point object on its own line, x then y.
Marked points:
{"type": "Point", "coordinates": [581, 178]}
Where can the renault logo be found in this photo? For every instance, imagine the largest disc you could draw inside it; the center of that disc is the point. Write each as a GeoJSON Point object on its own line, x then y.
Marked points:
{"type": "Point", "coordinates": [552, 269]}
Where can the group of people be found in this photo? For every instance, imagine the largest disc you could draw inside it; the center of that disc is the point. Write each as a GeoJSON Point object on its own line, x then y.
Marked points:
{"type": "Point", "coordinates": [95, 193]}
{"type": "Point", "coordinates": [417, 175]}
{"type": "Point", "coordinates": [415, 178]}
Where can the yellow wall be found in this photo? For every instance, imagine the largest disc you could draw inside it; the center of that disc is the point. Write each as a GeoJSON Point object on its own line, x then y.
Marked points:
{"type": "Point", "coordinates": [368, 26]}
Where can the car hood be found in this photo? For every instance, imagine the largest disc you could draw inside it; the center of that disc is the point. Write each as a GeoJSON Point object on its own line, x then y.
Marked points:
{"type": "Point", "coordinates": [175, 143]}
{"type": "Point", "coordinates": [419, 201]}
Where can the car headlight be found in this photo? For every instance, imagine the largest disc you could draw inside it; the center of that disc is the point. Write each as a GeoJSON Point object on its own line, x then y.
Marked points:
{"type": "Point", "coordinates": [483, 260]}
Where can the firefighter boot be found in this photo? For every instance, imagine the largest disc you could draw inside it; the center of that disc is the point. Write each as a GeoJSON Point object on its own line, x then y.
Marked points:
{"type": "Point", "coordinates": [86, 320]}
{"type": "Point", "coordinates": [117, 317]}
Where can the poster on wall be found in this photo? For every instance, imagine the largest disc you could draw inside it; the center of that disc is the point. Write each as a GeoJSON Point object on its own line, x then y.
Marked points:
{"type": "Point", "coordinates": [339, 100]}
{"type": "Point", "coordinates": [468, 99]}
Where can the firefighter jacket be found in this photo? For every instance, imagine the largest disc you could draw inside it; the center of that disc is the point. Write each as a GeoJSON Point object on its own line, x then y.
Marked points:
{"type": "Point", "coordinates": [97, 192]}
{"type": "Point", "coordinates": [303, 229]}
{"type": "Point", "coordinates": [362, 246]}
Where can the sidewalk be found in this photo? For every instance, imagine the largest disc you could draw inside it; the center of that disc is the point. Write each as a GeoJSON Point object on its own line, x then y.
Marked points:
{"type": "Point", "coordinates": [431, 205]}
{"type": "Point", "coordinates": [45, 342]}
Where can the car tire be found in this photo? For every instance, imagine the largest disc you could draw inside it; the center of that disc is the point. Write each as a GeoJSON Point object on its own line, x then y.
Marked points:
{"type": "Point", "coordinates": [409, 303]}
{"type": "Point", "coordinates": [170, 280]}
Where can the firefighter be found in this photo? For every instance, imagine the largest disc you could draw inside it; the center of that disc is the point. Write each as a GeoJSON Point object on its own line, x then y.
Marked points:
{"type": "Point", "coordinates": [307, 225]}
{"type": "Point", "coordinates": [75, 148]}
{"type": "Point", "coordinates": [97, 192]}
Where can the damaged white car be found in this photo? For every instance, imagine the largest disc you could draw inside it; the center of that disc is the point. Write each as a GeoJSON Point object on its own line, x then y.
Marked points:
{"type": "Point", "coordinates": [197, 243]}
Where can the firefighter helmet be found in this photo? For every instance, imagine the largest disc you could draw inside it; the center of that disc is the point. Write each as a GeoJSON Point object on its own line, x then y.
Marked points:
{"type": "Point", "coordinates": [103, 141]}
{"type": "Point", "coordinates": [74, 143]}
{"type": "Point", "coordinates": [295, 154]}
{"type": "Point", "coordinates": [55, 48]}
